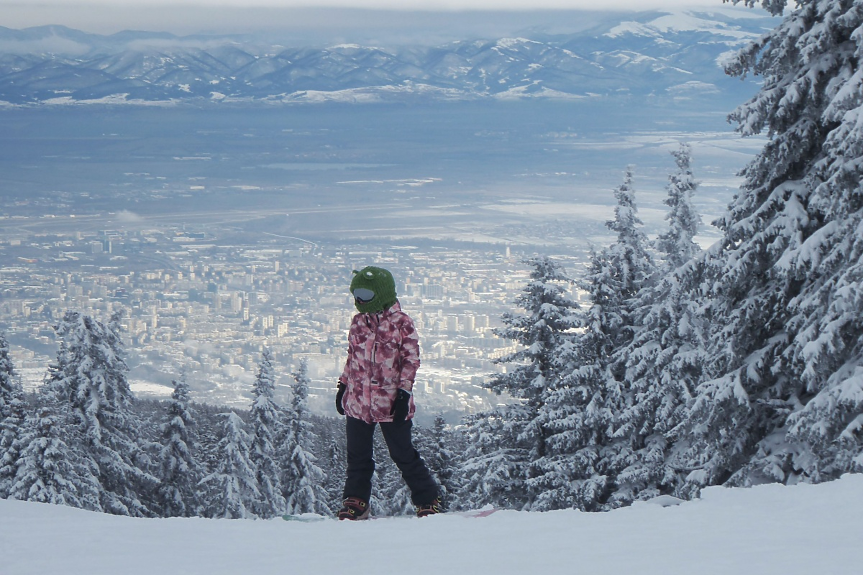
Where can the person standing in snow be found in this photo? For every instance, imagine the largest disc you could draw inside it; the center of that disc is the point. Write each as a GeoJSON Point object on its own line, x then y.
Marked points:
{"type": "Point", "coordinates": [376, 388]}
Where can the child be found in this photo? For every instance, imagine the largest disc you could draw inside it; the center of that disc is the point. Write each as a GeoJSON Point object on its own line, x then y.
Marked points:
{"type": "Point", "coordinates": [375, 387]}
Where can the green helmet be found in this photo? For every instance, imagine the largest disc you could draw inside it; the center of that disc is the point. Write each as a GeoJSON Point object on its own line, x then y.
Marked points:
{"type": "Point", "coordinates": [374, 289]}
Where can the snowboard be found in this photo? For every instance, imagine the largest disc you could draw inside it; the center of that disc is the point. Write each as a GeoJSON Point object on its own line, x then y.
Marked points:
{"type": "Point", "coordinates": [305, 517]}
{"type": "Point", "coordinates": [313, 517]}
{"type": "Point", "coordinates": [473, 513]}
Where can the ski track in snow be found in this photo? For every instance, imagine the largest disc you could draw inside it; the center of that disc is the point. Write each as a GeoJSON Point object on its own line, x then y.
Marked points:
{"type": "Point", "coordinates": [764, 530]}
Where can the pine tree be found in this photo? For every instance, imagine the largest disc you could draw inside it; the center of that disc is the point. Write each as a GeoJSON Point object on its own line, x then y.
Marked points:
{"type": "Point", "coordinates": [664, 357]}
{"type": "Point", "coordinates": [583, 456]}
{"type": "Point", "coordinates": [627, 267]}
{"type": "Point", "coordinates": [578, 408]}
{"type": "Point", "coordinates": [492, 472]}
{"type": "Point", "coordinates": [441, 461]}
{"type": "Point", "coordinates": [303, 479]}
{"type": "Point", "coordinates": [180, 470]}
{"type": "Point", "coordinates": [52, 466]}
{"type": "Point", "coordinates": [264, 418]}
{"type": "Point", "coordinates": [677, 243]}
{"type": "Point", "coordinates": [454, 447]}
{"type": "Point", "coordinates": [90, 374]}
{"type": "Point", "coordinates": [616, 277]}
{"type": "Point", "coordinates": [334, 475]}
{"type": "Point", "coordinates": [209, 433]}
{"type": "Point", "coordinates": [232, 490]}
{"type": "Point", "coordinates": [550, 317]}
{"type": "Point", "coordinates": [12, 409]}
{"type": "Point", "coordinates": [781, 399]}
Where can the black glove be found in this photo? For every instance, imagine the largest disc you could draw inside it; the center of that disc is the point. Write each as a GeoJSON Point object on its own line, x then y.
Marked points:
{"type": "Point", "coordinates": [401, 406]}
{"type": "Point", "coordinates": [339, 395]}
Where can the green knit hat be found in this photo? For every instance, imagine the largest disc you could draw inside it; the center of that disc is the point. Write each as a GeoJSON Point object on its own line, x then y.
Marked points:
{"type": "Point", "coordinates": [380, 283]}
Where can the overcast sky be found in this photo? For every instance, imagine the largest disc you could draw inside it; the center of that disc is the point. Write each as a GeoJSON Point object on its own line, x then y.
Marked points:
{"type": "Point", "coordinates": [332, 18]}
{"type": "Point", "coordinates": [391, 4]}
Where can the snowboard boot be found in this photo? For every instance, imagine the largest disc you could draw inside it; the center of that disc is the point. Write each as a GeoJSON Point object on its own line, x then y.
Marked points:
{"type": "Point", "coordinates": [429, 508]}
{"type": "Point", "coordinates": [354, 509]}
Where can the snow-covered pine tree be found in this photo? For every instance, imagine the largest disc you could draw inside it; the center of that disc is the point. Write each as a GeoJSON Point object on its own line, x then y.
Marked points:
{"type": "Point", "coordinates": [783, 397]}
{"type": "Point", "coordinates": [208, 431]}
{"type": "Point", "coordinates": [493, 469]}
{"type": "Point", "coordinates": [580, 407]}
{"type": "Point", "coordinates": [90, 375]}
{"type": "Point", "coordinates": [12, 412]}
{"type": "Point", "coordinates": [302, 481]}
{"type": "Point", "coordinates": [180, 470]}
{"type": "Point", "coordinates": [616, 277]}
{"type": "Point", "coordinates": [627, 267]}
{"type": "Point", "coordinates": [52, 466]}
{"type": "Point", "coordinates": [677, 243]}
{"type": "Point", "coordinates": [576, 410]}
{"type": "Point", "coordinates": [441, 461]}
{"type": "Point", "coordinates": [663, 358]}
{"type": "Point", "coordinates": [264, 417]}
{"type": "Point", "coordinates": [549, 319]}
{"type": "Point", "coordinates": [334, 474]}
{"type": "Point", "coordinates": [8, 382]}
{"type": "Point", "coordinates": [232, 490]}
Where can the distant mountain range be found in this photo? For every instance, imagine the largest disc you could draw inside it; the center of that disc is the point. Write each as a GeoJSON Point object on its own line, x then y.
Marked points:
{"type": "Point", "coordinates": [645, 55]}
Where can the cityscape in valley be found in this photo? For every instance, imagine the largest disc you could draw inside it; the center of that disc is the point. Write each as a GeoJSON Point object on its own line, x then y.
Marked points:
{"type": "Point", "coordinates": [210, 308]}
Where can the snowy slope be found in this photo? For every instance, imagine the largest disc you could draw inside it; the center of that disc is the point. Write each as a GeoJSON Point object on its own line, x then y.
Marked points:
{"type": "Point", "coordinates": [765, 530]}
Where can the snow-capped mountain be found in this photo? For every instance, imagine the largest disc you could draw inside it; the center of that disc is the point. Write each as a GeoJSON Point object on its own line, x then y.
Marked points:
{"type": "Point", "coordinates": [645, 54]}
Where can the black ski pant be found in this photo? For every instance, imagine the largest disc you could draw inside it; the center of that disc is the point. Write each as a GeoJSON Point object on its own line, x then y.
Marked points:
{"type": "Point", "coordinates": [361, 464]}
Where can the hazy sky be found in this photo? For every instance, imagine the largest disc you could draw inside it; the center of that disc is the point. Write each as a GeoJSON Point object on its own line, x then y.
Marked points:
{"type": "Point", "coordinates": [329, 17]}
{"type": "Point", "coordinates": [391, 4]}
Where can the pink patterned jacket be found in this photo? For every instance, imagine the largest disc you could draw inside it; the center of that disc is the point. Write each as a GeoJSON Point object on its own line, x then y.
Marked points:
{"type": "Point", "coordinates": [383, 357]}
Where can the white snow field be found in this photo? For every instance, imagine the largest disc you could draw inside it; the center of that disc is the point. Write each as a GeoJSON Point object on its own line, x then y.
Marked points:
{"type": "Point", "coordinates": [764, 530]}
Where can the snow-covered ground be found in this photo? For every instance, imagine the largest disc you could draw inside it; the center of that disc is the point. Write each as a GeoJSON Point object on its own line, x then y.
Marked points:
{"type": "Point", "coordinates": [765, 530]}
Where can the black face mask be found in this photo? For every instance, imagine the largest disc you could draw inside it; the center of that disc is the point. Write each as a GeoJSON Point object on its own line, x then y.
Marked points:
{"type": "Point", "coordinates": [364, 295]}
